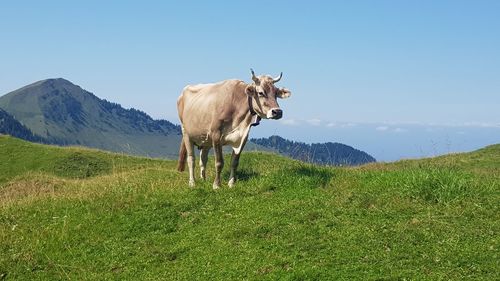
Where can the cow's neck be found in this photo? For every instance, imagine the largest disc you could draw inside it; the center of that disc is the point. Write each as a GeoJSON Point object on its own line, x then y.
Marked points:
{"type": "Point", "coordinates": [246, 119]}
{"type": "Point", "coordinates": [245, 127]}
{"type": "Point", "coordinates": [255, 118]}
{"type": "Point", "coordinates": [243, 120]}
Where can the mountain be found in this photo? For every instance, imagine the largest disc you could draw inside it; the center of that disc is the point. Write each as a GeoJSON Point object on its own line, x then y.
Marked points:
{"type": "Point", "coordinates": [56, 111]}
{"type": "Point", "coordinates": [321, 153]}
{"type": "Point", "coordinates": [10, 126]}
{"type": "Point", "coordinates": [66, 114]}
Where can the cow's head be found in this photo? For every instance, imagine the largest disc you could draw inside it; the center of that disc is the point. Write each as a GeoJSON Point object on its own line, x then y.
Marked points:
{"type": "Point", "coordinates": [264, 94]}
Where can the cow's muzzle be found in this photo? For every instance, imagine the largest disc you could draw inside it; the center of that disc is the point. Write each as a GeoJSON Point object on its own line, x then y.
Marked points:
{"type": "Point", "coordinates": [275, 113]}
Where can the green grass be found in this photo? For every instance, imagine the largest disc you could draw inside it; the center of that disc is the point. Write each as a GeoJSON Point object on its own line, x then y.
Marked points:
{"type": "Point", "coordinates": [73, 213]}
{"type": "Point", "coordinates": [19, 157]}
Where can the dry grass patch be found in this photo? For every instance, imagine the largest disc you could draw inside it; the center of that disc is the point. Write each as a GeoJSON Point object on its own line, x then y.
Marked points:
{"type": "Point", "coordinates": [34, 186]}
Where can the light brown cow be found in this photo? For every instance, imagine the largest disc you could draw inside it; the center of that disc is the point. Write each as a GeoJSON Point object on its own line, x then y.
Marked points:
{"type": "Point", "coordinates": [214, 115]}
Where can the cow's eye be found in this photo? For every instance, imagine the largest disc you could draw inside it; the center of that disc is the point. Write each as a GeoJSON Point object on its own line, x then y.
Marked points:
{"type": "Point", "coordinates": [261, 94]}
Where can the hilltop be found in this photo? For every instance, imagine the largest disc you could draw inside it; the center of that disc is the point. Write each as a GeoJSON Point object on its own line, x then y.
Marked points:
{"type": "Point", "coordinates": [76, 213]}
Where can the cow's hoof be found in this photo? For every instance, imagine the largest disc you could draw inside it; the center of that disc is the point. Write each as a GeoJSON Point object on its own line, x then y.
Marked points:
{"type": "Point", "coordinates": [215, 186]}
{"type": "Point", "coordinates": [191, 183]}
{"type": "Point", "coordinates": [231, 182]}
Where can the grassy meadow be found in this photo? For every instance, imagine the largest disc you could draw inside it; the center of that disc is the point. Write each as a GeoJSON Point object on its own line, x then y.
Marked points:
{"type": "Point", "coordinates": [82, 214]}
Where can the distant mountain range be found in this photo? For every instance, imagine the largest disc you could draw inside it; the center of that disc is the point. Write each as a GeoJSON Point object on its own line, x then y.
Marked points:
{"type": "Point", "coordinates": [56, 111]}
{"type": "Point", "coordinates": [321, 153]}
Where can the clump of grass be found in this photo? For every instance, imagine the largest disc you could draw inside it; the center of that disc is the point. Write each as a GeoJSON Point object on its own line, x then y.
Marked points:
{"type": "Point", "coordinates": [297, 177]}
{"type": "Point", "coordinates": [81, 165]}
{"type": "Point", "coordinates": [438, 185]}
{"type": "Point", "coordinates": [433, 184]}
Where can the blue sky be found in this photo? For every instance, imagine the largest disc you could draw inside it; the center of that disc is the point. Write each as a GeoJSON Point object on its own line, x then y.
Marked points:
{"type": "Point", "coordinates": [425, 63]}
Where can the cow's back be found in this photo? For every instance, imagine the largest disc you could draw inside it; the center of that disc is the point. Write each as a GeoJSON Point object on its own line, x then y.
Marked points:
{"type": "Point", "coordinates": [201, 106]}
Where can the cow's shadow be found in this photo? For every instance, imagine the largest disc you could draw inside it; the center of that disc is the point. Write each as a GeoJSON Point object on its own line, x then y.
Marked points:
{"type": "Point", "coordinates": [243, 175]}
{"type": "Point", "coordinates": [315, 176]}
{"type": "Point", "coordinates": [320, 176]}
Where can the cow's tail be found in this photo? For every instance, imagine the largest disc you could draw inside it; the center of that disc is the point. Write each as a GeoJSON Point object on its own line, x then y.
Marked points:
{"type": "Point", "coordinates": [181, 165]}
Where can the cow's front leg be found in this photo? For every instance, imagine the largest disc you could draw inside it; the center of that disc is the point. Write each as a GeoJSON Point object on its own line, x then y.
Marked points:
{"type": "Point", "coordinates": [190, 159]}
{"type": "Point", "coordinates": [219, 164]}
{"type": "Point", "coordinates": [235, 160]}
{"type": "Point", "coordinates": [203, 161]}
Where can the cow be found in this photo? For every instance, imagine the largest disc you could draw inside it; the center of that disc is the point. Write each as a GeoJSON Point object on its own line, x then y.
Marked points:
{"type": "Point", "coordinates": [218, 114]}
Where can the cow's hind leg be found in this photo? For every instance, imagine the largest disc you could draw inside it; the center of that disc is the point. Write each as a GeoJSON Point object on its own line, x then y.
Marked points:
{"type": "Point", "coordinates": [203, 161]}
{"type": "Point", "coordinates": [190, 159]}
{"type": "Point", "coordinates": [219, 164]}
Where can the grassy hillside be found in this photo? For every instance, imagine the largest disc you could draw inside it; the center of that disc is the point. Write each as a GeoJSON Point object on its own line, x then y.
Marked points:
{"type": "Point", "coordinates": [72, 213]}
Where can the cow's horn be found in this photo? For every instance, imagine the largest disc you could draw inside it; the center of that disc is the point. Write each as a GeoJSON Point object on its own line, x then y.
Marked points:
{"type": "Point", "coordinates": [278, 78]}
{"type": "Point", "coordinates": [254, 78]}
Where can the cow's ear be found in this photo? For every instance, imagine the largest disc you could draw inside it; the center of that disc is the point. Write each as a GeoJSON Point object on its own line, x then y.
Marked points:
{"type": "Point", "coordinates": [283, 93]}
{"type": "Point", "coordinates": [251, 91]}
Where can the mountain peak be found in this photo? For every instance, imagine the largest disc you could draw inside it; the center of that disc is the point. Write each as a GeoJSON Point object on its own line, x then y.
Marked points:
{"type": "Point", "coordinates": [53, 83]}
{"type": "Point", "coordinates": [44, 86]}
{"type": "Point", "coordinates": [56, 81]}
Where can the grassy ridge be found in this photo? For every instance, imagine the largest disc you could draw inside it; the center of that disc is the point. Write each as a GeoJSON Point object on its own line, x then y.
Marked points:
{"type": "Point", "coordinates": [20, 157]}
{"type": "Point", "coordinates": [81, 214]}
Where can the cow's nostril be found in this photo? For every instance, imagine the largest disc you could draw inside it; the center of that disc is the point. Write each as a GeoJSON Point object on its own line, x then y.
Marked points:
{"type": "Point", "coordinates": [277, 113]}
